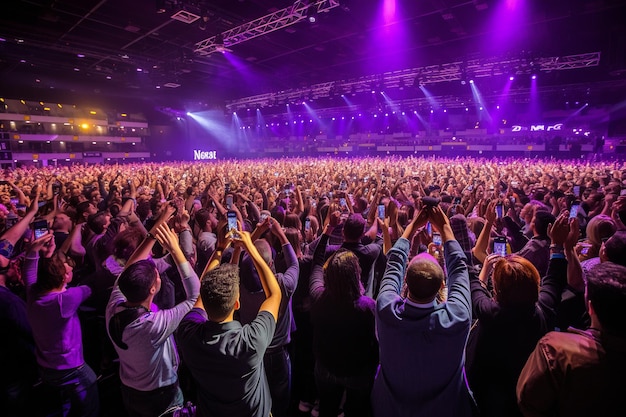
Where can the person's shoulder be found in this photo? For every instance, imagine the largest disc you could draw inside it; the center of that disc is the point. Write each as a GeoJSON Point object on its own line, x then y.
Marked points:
{"type": "Point", "coordinates": [259, 330]}
{"type": "Point", "coordinates": [196, 316]}
{"type": "Point", "coordinates": [366, 303]}
{"type": "Point", "coordinates": [194, 320]}
{"type": "Point", "coordinates": [566, 344]}
{"type": "Point", "coordinates": [263, 320]}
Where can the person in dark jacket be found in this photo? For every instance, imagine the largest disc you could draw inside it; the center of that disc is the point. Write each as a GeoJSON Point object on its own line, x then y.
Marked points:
{"type": "Point", "coordinates": [344, 338]}
{"type": "Point", "coordinates": [521, 310]}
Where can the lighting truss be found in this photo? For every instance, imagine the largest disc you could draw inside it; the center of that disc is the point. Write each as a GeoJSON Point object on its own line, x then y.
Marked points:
{"type": "Point", "coordinates": [266, 24]}
{"type": "Point", "coordinates": [454, 71]}
{"type": "Point", "coordinates": [571, 62]}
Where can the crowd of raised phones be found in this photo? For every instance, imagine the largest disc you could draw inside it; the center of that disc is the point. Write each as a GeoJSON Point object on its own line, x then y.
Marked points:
{"type": "Point", "coordinates": [308, 286]}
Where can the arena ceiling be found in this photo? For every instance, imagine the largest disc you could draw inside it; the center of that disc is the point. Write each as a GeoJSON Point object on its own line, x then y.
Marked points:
{"type": "Point", "coordinates": [137, 48]}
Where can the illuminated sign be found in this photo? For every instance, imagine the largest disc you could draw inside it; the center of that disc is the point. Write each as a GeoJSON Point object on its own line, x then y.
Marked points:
{"type": "Point", "coordinates": [537, 128]}
{"type": "Point", "coordinates": [199, 155]}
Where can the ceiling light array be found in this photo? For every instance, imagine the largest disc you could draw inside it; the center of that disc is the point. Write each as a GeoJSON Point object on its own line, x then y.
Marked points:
{"type": "Point", "coordinates": [455, 71]}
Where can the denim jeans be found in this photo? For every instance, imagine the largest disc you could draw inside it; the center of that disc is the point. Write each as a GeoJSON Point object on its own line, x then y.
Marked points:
{"type": "Point", "coordinates": [78, 390]}
{"type": "Point", "coordinates": [151, 403]}
{"type": "Point", "coordinates": [278, 370]}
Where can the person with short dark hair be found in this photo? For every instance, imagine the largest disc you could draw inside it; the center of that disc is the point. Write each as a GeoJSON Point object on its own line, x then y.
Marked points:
{"type": "Point", "coordinates": [614, 248]}
{"type": "Point", "coordinates": [365, 243]}
{"type": "Point", "coordinates": [224, 357]}
{"type": "Point", "coordinates": [581, 372]}
{"type": "Point", "coordinates": [205, 238]}
{"type": "Point", "coordinates": [422, 341]}
{"type": "Point", "coordinates": [277, 361]}
{"type": "Point", "coordinates": [537, 249]}
{"type": "Point", "coordinates": [143, 338]}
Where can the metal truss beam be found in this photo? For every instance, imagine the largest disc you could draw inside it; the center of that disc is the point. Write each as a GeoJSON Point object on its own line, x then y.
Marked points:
{"type": "Point", "coordinates": [266, 24]}
{"type": "Point", "coordinates": [454, 71]}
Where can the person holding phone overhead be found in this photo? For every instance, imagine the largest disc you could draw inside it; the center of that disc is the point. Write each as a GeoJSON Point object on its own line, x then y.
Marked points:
{"type": "Point", "coordinates": [52, 309]}
{"type": "Point", "coordinates": [225, 357]}
{"type": "Point", "coordinates": [512, 317]}
{"type": "Point", "coordinates": [143, 338]}
{"type": "Point", "coordinates": [422, 340]}
{"type": "Point", "coordinates": [10, 237]}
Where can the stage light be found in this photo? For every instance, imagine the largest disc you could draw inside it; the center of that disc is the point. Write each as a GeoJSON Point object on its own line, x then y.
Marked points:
{"type": "Point", "coordinates": [511, 78]}
{"type": "Point", "coordinates": [311, 13]}
{"type": "Point", "coordinates": [534, 77]}
{"type": "Point", "coordinates": [160, 6]}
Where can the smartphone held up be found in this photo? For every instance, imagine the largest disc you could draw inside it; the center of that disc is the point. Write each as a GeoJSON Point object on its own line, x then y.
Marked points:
{"type": "Point", "coordinates": [233, 227]}
{"type": "Point", "coordinates": [40, 228]}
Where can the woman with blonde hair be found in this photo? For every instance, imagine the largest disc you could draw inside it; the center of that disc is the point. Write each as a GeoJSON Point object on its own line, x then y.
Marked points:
{"type": "Point", "coordinates": [599, 228]}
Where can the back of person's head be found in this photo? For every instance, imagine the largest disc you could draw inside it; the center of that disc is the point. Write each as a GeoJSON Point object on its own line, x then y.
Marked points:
{"type": "Point", "coordinates": [403, 217]}
{"type": "Point", "coordinates": [143, 209]}
{"type": "Point", "coordinates": [354, 227]}
{"type": "Point", "coordinates": [515, 282]}
{"type": "Point", "coordinates": [600, 227]}
{"type": "Point", "coordinates": [292, 220]}
{"type": "Point", "coordinates": [360, 204]}
{"type": "Point", "coordinates": [155, 205]}
{"type": "Point", "coordinates": [115, 209]}
{"type": "Point", "coordinates": [424, 278]}
{"type": "Point", "coordinates": [98, 222]}
{"type": "Point", "coordinates": [220, 291]}
{"type": "Point", "coordinates": [476, 225]}
{"type": "Point", "coordinates": [74, 201]}
{"type": "Point", "coordinates": [51, 273]}
{"type": "Point", "coordinates": [125, 242]}
{"type": "Point", "coordinates": [81, 209]}
{"type": "Point", "coordinates": [278, 213]}
{"type": "Point", "coordinates": [532, 206]}
{"type": "Point", "coordinates": [615, 248]}
{"type": "Point", "coordinates": [606, 290]}
{"type": "Point", "coordinates": [294, 236]}
{"type": "Point", "coordinates": [202, 218]}
{"type": "Point", "coordinates": [264, 249]}
{"type": "Point", "coordinates": [342, 277]}
{"type": "Point", "coordinates": [137, 279]}
{"type": "Point", "coordinates": [543, 219]}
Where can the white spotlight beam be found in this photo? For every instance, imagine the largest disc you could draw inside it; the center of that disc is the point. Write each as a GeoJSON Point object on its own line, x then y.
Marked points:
{"type": "Point", "coordinates": [266, 24]}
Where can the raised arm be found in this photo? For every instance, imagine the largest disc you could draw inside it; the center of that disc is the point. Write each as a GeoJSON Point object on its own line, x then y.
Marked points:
{"type": "Point", "coordinates": [17, 231]}
{"type": "Point", "coordinates": [268, 280]}
{"type": "Point", "coordinates": [456, 265]}
{"type": "Point", "coordinates": [384, 226]}
{"type": "Point", "coordinates": [397, 260]}
{"type": "Point", "coordinates": [29, 267]}
{"type": "Point", "coordinates": [145, 247]}
{"type": "Point", "coordinates": [480, 250]}
{"type": "Point", "coordinates": [574, 268]}
{"type": "Point", "coordinates": [290, 277]}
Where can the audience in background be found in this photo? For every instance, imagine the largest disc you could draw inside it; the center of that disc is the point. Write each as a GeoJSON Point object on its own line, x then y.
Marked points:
{"type": "Point", "coordinates": [323, 218]}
